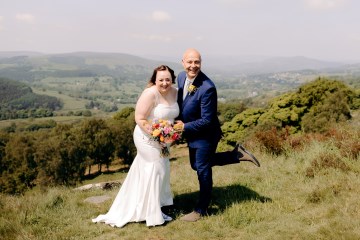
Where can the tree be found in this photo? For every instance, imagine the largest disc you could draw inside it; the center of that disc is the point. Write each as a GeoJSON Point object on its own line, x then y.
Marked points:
{"type": "Point", "coordinates": [97, 137]}
{"type": "Point", "coordinates": [19, 169]}
{"type": "Point", "coordinates": [334, 109]}
{"type": "Point", "coordinates": [61, 157]}
{"type": "Point", "coordinates": [313, 107]}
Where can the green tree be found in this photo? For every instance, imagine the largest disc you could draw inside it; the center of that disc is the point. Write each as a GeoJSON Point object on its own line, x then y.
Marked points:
{"type": "Point", "coordinates": [333, 109]}
{"type": "Point", "coordinates": [229, 109]}
{"type": "Point", "coordinates": [124, 113]}
{"type": "Point", "coordinates": [19, 169]}
{"type": "Point", "coordinates": [60, 156]}
{"type": "Point", "coordinates": [124, 148]}
{"type": "Point", "coordinates": [97, 137]}
{"type": "Point", "coordinates": [313, 107]}
{"type": "Point", "coordinates": [4, 138]}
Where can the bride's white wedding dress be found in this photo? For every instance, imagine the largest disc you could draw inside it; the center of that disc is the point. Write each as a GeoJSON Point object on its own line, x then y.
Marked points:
{"type": "Point", "coordinates": [147, 185]}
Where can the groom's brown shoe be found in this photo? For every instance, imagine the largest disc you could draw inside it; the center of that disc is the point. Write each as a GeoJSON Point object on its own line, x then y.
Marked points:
{"type": "Point", "coordinates": [191, 217]}
{"type": "Point", "coordinates": [244, 155]}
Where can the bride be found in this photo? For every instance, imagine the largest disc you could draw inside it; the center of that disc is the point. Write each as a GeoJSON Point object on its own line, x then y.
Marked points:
{"type": "Point", "coordinates": [147, 185]}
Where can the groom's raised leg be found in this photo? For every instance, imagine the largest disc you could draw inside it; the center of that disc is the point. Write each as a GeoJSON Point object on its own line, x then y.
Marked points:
{"type": "Point", "coordinates": [245, 155]}
{"type": "Point", "coordinates": [237, 155]}
{"type": "Point", "coordinates": [225, 158]}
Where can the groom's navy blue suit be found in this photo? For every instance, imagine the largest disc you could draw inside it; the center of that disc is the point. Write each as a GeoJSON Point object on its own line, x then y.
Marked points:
{"type": "Point", "coordinates": [201, 130]}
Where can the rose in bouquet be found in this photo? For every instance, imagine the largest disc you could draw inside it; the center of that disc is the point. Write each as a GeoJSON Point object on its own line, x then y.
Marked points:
{"type": "Point", "coordinates": [163, 132]}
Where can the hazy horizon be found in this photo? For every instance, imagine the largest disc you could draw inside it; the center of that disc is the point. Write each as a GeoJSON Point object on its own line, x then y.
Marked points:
{"type": "Point", "coordinates": [327, 30]}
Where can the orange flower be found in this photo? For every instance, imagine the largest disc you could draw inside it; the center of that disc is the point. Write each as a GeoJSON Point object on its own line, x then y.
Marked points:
{"type": "Point", "coordinates": [164, 132]}
{"type": "Point", "coordinates": [156, 133]}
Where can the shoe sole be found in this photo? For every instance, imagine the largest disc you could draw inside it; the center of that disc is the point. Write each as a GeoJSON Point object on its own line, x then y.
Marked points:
{"type": "Point", "coordinates": [257, 163]}
{"type": "Point", "coordinates": [187, 218]}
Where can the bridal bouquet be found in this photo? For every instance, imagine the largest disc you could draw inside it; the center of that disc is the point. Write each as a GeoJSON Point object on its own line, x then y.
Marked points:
{"type": "Point", "coordinates": [163, 132]}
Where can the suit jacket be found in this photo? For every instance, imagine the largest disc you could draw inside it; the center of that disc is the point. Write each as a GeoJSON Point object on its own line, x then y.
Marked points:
{"type": "Point", "coordinates": [199, 111]}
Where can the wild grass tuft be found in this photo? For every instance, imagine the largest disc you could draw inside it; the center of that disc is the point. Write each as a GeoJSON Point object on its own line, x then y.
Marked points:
{"type": "Point", "coordinates": [307, 191]}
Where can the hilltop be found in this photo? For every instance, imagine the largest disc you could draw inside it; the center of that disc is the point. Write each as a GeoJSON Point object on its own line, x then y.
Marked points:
{"type": "Point", "coordinates": [103, 83]}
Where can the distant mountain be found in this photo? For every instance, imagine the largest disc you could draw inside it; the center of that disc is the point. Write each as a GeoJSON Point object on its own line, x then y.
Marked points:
{"type": "Point", "coordinates": [30, 66]}
{"type": "Point", "coordinates": [78, 64]}
{"type": "Point", "coordinates": [261, 65]}
{"type": "Point", "coordinates": [11, 54]}
{"type": "Point", "coordinates": [257, 64]}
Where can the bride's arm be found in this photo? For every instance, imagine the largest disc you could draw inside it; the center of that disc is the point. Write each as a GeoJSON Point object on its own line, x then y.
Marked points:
{"type": "Point", "coordinates": [143, 109]}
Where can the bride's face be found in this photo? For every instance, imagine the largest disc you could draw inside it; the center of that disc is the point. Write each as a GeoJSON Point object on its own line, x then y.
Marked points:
{"type": "Point", "coordinates": [163, 81]}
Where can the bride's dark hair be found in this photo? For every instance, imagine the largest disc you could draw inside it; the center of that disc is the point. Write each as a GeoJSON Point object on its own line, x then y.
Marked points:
{"type": "Point", "coordinates": [161, 68]}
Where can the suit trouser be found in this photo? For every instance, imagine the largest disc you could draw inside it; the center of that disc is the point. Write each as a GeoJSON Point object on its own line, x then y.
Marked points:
{"type": "Point", "coordinates": [224, 158]}
{"type": "Point", "coordinates": [201, 160]}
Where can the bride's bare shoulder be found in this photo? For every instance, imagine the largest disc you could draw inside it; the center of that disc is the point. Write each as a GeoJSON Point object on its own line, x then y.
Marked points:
{"type": "Point", "coordinates": [174, 91]}
{"type": "Point", "coordinates": [148, 93]}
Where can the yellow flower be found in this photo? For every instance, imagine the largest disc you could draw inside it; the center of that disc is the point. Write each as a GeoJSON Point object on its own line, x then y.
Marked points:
{"type": "Point", "coordinates": [156, 132]}
{"type": "Point", "coordinates": [192, 89]}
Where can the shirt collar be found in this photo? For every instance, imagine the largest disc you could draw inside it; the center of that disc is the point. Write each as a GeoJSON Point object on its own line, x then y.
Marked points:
{"type": "Point", "coordinates": [191, 81]}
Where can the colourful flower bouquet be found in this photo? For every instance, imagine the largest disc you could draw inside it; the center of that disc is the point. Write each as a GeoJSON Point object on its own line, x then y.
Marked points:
{"type": "Point", "coordinates": [163, 132]}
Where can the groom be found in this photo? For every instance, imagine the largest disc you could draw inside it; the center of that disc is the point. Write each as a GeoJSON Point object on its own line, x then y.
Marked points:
{"type": "Point", "coordinates": [197, 99]}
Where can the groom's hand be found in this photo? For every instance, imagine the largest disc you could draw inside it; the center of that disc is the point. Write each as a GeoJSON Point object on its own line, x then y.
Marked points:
{"type": "Point", "coordinates": [179, 126]}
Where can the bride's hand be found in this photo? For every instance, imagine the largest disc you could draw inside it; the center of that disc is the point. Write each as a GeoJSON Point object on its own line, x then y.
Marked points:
{"type": "Point", "coordinates": [146, 127]}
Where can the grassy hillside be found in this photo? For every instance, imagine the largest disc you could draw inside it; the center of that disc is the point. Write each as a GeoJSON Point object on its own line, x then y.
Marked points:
{"type": "Point", "coordinates": [17, 100]}
{"type": "Point", "coordinates": [79, 64]}
{"type": "Point", "coordinates": [109, 81]}
{"type": "Point", "coordinates": [308, 192]}
{"type": "Point", "coordinates": [121, 77]}
{"type": "Point", "coordinates": [11, 90]}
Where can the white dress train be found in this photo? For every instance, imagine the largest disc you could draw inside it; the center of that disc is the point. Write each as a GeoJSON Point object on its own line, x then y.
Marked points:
{"type": "Point", "coordinates": [147, 185]}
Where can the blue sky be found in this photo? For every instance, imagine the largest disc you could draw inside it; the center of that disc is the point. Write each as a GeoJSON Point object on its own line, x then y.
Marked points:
{"type": "Point", "coordinates": [321, 29]}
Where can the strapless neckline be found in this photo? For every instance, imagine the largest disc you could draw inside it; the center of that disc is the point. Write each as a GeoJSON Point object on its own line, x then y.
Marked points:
{"type": "Point", "coordinates": [167, 105]}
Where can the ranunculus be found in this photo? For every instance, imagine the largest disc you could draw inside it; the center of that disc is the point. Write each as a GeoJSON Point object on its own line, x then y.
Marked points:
{"type": "Point", "coordinates": [156, 132]}
{"type": "Point", "coordinates": [175, 136]}
{"type": "Point", "coordinates": [163, 132]}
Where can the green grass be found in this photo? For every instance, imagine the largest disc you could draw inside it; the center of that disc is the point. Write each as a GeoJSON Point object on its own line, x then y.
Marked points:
{"type": "Point", "coordinates": [279, 200]}
{"type": "Point", "coordinates": [70, 103]}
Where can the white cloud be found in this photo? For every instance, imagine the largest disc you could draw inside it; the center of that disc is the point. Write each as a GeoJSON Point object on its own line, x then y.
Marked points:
{"type": "Point", "coordinates": [160, 16]}
{"type": "Point", "coordinates": [24, 17]}
{"type": "Point", "coordinates": [324, 4]}
{"type": "Point", "coordinates": [199, 38]}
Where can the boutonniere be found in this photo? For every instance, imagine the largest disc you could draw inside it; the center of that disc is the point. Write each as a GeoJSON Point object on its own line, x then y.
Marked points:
{"type": "Point", "coordinates": [192, 89]}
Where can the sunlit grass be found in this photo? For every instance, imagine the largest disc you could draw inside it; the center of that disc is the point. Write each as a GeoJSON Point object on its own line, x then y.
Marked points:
{"type": "Point", "coordinates": [279, 200]}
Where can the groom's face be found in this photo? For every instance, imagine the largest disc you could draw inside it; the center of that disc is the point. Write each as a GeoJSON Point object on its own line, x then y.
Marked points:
{"type": "Point", "coordinates": [192, 64]}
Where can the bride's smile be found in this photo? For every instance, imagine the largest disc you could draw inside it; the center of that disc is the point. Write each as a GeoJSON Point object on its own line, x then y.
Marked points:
{"type": "Point", "coordinates": [163, 81]}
